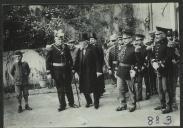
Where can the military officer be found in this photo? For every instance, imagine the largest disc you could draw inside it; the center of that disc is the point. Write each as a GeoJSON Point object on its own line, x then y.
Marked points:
{"type": "Point", "coordinates": [140, 65]}
{"type": "Point", "coordinates": [112, 56]}
{"type": "Point", "coordinates": [150, 76]}
{"type": "Point", "coordinates": [160, 64]}
{"type": "Point", "coordinates": [173, 66]}
{"type": "Point", "coordinates": [59, 65]}
{"type": "Point", "coordinates": [127, 59]}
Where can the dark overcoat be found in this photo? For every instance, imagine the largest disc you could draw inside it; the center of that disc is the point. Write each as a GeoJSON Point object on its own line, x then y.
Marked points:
{"type": "Point", "coordinates": [100, 59]}
{"type": "Point", "coordinates": [87, 66]}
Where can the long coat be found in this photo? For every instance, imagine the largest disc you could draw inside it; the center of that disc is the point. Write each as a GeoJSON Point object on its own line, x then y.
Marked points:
{"type": "Point", "coordinates": [100, 59]}
{"type": "Point", "coordinates": [87, 66]}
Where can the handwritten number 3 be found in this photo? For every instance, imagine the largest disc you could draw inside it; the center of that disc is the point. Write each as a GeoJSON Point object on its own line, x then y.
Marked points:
{"type": "Point", "coordinates": [169, 120]}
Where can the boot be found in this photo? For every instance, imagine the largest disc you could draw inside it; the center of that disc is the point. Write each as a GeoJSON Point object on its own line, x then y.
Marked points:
{"type": "Point", "coordinates": [167, 110]}
{"type": "Point", "coordinates": [160, 107]}
{"type": "Point", "coordinates": [27, 107]}
{"type": "Point", "coordinates": [61, 108]}
{"type": "Point", "coordinates": [20, 109]}
{"type": "Point", "coordinates": [132, 109]}
{"type": "Point", "coordinates": [121, 108]}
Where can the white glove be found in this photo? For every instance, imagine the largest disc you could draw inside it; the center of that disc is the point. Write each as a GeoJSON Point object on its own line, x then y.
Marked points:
{"type": "Point", "coordinates": [115, 74]}
{"type": "Point", "coordinates": [110, 72]}
{"type": "Point", "coordinates": [48, 47]}
{"type": "Point", "coordinates": [137, 48]}
{"type": "Point", "coordinates": [99, 74]}
{"type": "Point", "coordinates": [174, 61]}
{"type": "Point", "coordinates": [132, 73]}
{"type": "Point", "coordinates": [49, 77]}
{"type": "Point", "coordinates": [76, 76]}
{"type": "Point", "coordinates": [155, 65]}
{"type": "Point", "coordinates": [149, 48]}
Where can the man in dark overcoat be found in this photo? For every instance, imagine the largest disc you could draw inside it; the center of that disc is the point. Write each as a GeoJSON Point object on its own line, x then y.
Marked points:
{"type": "Point", "coordinates": [100, 59]}
{"type": "Point", "coordinates": [59, 65]}
{"type": "Point", "coordinates": [88, 69]}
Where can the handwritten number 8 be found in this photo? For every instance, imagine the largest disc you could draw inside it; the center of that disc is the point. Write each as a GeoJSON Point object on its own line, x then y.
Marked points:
{"type": "Point", "coordinates": [150, 120]}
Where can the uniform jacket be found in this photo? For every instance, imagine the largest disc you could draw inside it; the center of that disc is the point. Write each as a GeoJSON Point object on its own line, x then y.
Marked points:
{"type": "Point", "coordinates": [160, 54]}
{"type": "Point", "coordinates": [127, 55]}
{"type": "Point", "coordinates": [113, 56]}
{"type": "Point", "coordinates": [59, 54]}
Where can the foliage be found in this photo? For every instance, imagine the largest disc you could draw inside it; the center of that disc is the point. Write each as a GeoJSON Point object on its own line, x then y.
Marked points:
{"type": "Point", "coordinates": [33, 26]}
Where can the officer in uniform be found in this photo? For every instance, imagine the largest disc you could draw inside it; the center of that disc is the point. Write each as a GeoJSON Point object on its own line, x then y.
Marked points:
{"type": "Point", "coordinates": [173, 66]}
{"type": "Point", "coordinates": [160, 63]}
{"type": "Point", "coordinates": [127, 59]}
{"type": "Point", "coordinates": [59, 65]}
{"type": "Point", "coordinates": [150, 76]}
{"type": "Point", "coordinates": [140, 65]}
{"type": "Point", "coordinates": [112, 56]}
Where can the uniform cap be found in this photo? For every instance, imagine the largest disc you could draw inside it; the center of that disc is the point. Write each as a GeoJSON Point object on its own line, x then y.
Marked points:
{"type": "Point", "coordinates": [113, 37]}
{"type": "Point", "coordinates": [19, 53]}
{"type": "Point", "coordinates": [169, 32]}
{"type": "Point", "coordinates": [162, 29]}
{"type": "Point", "coordinates": [128, 32]}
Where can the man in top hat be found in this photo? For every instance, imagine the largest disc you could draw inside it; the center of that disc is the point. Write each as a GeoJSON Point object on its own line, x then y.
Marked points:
{"type": "Point", "coordinates": [19, 73]}
{"type": "Point", "coordinates": [88, 69]}
{"type": "Point", "coordinates": [160, 62]}
{"type": "Point", "coordinates": [59, 65]}
{"type": "Point", "coordinates": [100, 59]}
{"type": "Point", "coordinates": [127, 59]}
{"type": "Point", "coordinates": [140, 65]}
{"type": "Point", "coordinates": [112, 56]}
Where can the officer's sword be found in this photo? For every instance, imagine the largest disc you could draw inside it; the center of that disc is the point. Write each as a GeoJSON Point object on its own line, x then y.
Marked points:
{"type": "Point", "coordinates": [76, 89]}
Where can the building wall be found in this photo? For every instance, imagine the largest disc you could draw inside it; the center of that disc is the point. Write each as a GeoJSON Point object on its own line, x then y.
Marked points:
{"type": "Point", "coordinates": [159, 14]}
{"type": "Point", "coordinates": [164, 14]}
{"type": "Point", "coordinates": [36, 63]}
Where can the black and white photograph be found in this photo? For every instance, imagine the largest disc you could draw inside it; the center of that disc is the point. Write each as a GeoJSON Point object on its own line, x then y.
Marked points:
{"type": "Point", "coordinates": [91, 65]}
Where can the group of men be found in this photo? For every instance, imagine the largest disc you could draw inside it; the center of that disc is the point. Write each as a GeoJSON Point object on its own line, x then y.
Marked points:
{"type": "Point", "coordinates": [156, 62]}
{"type": "Point", "coordinates": [88, 64]}
{"type": "Point", "coordinates": [129, 62]}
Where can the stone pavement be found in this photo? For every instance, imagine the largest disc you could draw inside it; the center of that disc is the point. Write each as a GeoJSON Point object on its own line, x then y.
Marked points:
{"type": "Point", "coordinates": [45, 114]}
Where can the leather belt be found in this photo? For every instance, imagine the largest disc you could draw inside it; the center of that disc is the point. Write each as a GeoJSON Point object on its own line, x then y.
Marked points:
{"type": "Point", "coordinates": [59, 64]}
{"type": "Point", "coordinates": [126, 65]}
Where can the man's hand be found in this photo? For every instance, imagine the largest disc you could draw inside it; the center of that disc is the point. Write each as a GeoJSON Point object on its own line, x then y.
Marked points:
{"type": "Point", "coordinates": [99, 74]}
{"type": "Point", "coordinates": [137, 48]}
{"type": "Point", "coordinates": [48, 47]}
{"type": "Point", "coordinates": [110, 72]}
{"type": "Point", "coordinates": [174, 61]}
{"type": "Point", "coordinates": [149, 48]}
{"type": "Point", "coordinates": [76, 76]}
{"type": "Point", "coordinates": [155, 65]}
{"type": "Point", "coordinates": [73, 71]}
{"type": "Point", "coordinates": [132, 73]}
{"type": "Point", "coordinates": [49, 77]}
